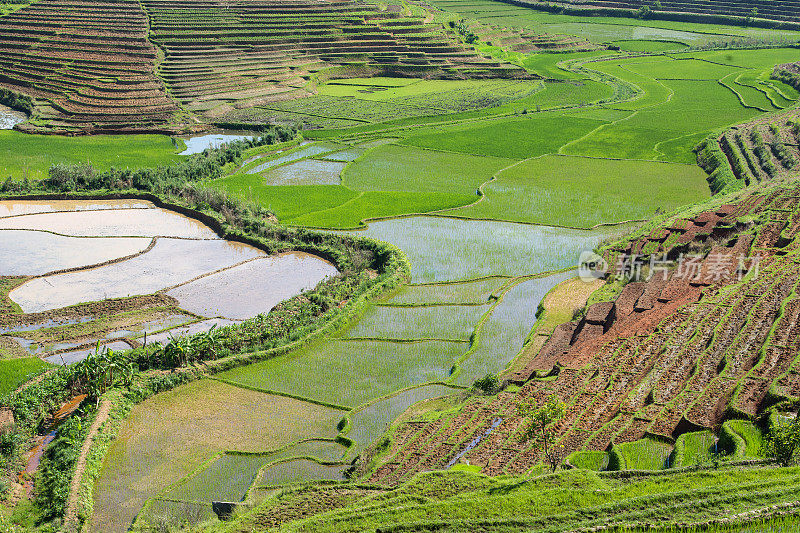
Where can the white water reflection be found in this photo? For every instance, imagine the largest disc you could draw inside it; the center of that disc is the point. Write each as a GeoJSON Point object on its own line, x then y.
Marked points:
{"type": "Point", "coordinates": [10, 117]}
{"type": "Point", "coordinates": [113, 223]}
{"type": "Point", "coordinates": [448, 249]}
{"type": "Point", "coordinates": [169, 263]}
{"type": "Point", "coordinates": [33, 253]}
{"type": "Point", "coordinates": [253, 288]}
{"type": "Point", "coordinates": [195, 145]}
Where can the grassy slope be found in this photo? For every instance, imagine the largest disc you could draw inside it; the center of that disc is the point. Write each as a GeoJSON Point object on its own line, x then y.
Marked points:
{"type": "Point", "coordinates": [461, 501]}
{"type": "Point", "coordinates": [513, 138]}
{"type": "Point", "coordinates": [22, 154]}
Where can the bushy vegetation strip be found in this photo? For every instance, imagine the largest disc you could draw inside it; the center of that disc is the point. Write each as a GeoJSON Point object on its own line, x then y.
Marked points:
{"type": "Point", "coordinates": [367, 268]}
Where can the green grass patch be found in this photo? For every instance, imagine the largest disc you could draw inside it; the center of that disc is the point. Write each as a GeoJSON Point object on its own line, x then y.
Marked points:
{"type": "Point", "coordinates": [589, 460]}
{"type": "Point", "coordinates": [402, 168]}
{"type": "Point", "coordinates": [547, 65]}
{"type": "Point", "coordinates": [643, 454]}
{"type": "Point", "coordinates": [695, 448]}
{"type": "Point", "coordinates": [512, 138]}
{"type": "Point", "coordinates": [431, 322]}
{"type": "Point", "coordinates": [460, 500]}
{"type": "Point", "coordinates": [751, 434]}
{"type": "Point", "coordinates": [286, 201]}
{"type": "Point", "coordinates": [350, 373]}
{"type": "Point", "coordinates": [15, 372]}
{"type": "Point", "coordinates": [583, 192]}
{"type": "Point", "coordinates": [687, 69]}
{"type": "Point", "coordinates": [32, 155]}
{"type": "Point", "coordinates": [377, 204]}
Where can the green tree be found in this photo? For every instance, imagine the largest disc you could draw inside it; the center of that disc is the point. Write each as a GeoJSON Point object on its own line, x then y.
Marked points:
{"type": "Point", "coordinates": [539, 422]}
{"type": "Point", "coordinates": [782, 442]}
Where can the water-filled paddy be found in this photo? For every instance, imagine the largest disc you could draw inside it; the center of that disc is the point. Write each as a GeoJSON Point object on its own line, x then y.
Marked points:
{"type": "Point", "coordinates": [445, 249]}
{"type": "Point", "coordinates": [10, 117]}
{"type": "Point", "coordinates": [306, 172]}
{"type": "Point", "coordinates": [254, 287]}
{"type": "Point", "coordinates": [194, 328]}
{"type": "Point", "coordinates": [503, 334]}
{"type": "Point", "coordinates": [303, 153]}
{"type": "Point", "coordinates": [299, 470]}
{"type": "Point", "coordinates": [350, 373]}
{"type": "Point", "coordinates": [471, 292]}
{"type": "Point", "coordinates": [195, 145]}
{"type": "Point", "coordinates": [29, 207]}
{"type": "Point", "coordinates": [370, 422]}
{"type": "Point", "coordinates": [33, 253]}
{"type": "Point", "coordinates": [169, 263]}
{"type": "Point", "coordinates": [116, 223]}
{"type": "Point", "coordinates": [229, 476]}
{"type": "Point", "coordinates": [226, 281]}
{"type": "Point", "coordinates": [455, 322]}
{"type": "Point", "coordinates": [177, 431]}
{"type": "Point", "coordinates": [68, 358]}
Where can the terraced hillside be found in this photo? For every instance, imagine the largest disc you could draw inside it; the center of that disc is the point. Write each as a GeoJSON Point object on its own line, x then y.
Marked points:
{"type": "Point", "coordinates": [788, 11]}
{"type": "Point", "coordinates": [221, 56]}
{"type": "Point", "coordinates": [88, 66]}
{"type": "Point", "coordinates": [708, 332]}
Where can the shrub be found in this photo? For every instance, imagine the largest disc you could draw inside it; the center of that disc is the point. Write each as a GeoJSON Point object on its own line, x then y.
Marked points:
{"type": "Point", "coordinates": [488, 384]}
{"type": "Point", "coordinates": [782, 442]}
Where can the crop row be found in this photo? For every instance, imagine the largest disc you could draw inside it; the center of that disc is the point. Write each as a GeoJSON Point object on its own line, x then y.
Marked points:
{"type": "Point", "coordinates": [673, 353]}
{"type": "Point", "coordinates": [214, 50]}
{"type": "Point", "coordinates": [89, 63]}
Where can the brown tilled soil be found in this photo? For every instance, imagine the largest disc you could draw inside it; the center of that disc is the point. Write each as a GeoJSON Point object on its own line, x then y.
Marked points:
{"type": "Point", "coordinates": [672, 354]}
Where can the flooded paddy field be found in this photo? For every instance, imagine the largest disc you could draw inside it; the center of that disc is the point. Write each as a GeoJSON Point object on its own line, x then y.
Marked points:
{"type": "Point", "coordinates": [179, 431]}
{"type": "Point", "coordinates": [451, 249]}
{"type": "Point", "coordinates": [10, 117]}
{"type": "Point", "coordinates": [84, 272]}
{"type": "Point", "coordinates": [198, 143]}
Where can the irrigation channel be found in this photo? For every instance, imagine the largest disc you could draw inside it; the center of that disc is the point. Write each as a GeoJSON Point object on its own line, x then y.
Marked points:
{"type": "Point", "coordinates": [471, 306]}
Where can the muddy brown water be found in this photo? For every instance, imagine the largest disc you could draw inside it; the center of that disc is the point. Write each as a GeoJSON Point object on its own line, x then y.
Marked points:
{"type": "Point", "coordinates": [171, 262]}
{"type": "Point", "coordinates": [33, 253]}
{"type": "Point", "coordinates": [253, 288]}
{"type": "Point", "coordinates": [34, 457]}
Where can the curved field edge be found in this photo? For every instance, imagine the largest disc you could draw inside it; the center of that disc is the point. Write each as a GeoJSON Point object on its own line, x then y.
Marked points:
{"type": "Point", "coordinates": [566, 501]}
{"type": "Point", "coordinates": [147, 384]}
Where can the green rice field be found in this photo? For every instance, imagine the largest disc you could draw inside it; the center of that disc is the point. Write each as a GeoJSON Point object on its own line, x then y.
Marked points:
{"type": "Point", "coordinates": [31, 155]}
{"type": "Point", "coordinates": [567, 134]}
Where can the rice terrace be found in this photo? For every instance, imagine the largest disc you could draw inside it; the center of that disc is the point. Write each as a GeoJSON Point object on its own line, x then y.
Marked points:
{"type": "Point", "coordinates": [399, 265]}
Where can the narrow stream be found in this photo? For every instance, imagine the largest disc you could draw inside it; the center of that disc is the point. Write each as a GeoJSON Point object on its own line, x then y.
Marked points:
{"type": "Point", "coordinates": [477, 440]}
{"type": "Point", "coordinates": [34, 457]}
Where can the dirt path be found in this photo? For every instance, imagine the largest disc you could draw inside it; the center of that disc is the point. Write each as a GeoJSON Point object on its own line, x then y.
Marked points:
{"type": "Point", "coordinates": [71, 515]}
